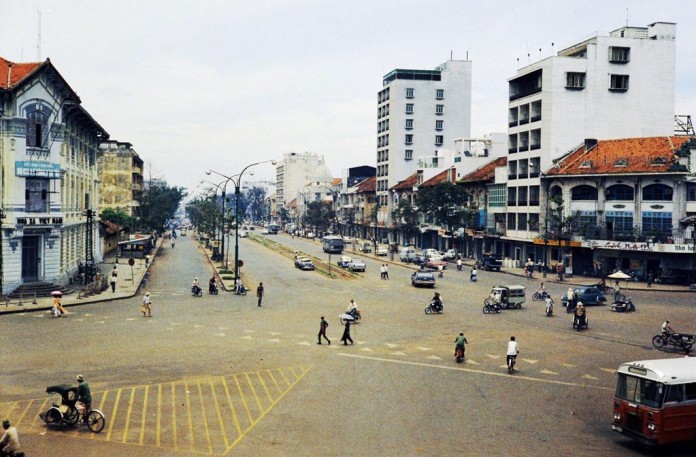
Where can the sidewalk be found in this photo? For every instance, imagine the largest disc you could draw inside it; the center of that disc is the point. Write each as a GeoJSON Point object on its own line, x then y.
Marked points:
{"type": "Point", "coordinates": [126, 287]}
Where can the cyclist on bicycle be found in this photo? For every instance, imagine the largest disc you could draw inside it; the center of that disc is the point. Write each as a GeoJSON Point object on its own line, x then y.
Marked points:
{"type": "Point", "coordinates": [512, 350]}
{"type": "Point", "coordinates": [84, 396]}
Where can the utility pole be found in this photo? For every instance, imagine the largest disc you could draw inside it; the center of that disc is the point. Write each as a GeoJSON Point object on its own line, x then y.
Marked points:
{"type": "Point", "coordinates": [90, 268]}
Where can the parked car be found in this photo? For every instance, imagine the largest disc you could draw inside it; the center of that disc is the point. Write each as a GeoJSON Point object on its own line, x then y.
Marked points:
{"type": "Point", "coordinates": [423, 278]}
{"type": "Point", "coordinates": [310, 235]}
{"type": "Point", "coordinates": [264, 231]}
{"type": "Point", "coordinates": [343, 261]}
{"type": "Point", "coordinates": [451, 254]}
{"type": "Point", "coordinates": [243, 234]}
{"type": "Point", "coordinates": [491, 262]}
{"type": "Point", "coordinates": [366, 247]}
{"type": "Point", "coordinates": [588, 295]}
{"type": "Point", "coordinates": [382, 251]}
{"type": "Point", "coordinates": [407, 255]}
{"type": "Point", "coordinates": [304, 263]}
{"type": "Point", "coordinates": [356, 265]}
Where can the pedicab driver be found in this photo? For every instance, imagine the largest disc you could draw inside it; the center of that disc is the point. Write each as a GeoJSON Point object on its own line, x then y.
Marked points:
{"type": "Point", "coordinates": [9, 443]}
{"type": "Point", "coordinates": [84, 396]}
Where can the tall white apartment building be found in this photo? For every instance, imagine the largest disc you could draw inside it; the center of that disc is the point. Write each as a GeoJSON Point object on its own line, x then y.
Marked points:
{"type": "Point", "coordinates": [295, 172]}
{"type": "Point", "coordinates": [606, 87]}
{"type": "Point", "coordinates": [419, 114]}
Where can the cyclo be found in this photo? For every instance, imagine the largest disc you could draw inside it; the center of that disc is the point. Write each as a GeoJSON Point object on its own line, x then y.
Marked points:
{"type": "Point", "coordinates": [512, 296]}
{"type": "Point", "coordinates": [66, 412]}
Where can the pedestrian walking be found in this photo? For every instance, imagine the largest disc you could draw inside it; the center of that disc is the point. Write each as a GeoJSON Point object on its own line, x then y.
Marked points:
{"type": "Point", "coordinates": [386, 271]}
{"type": "Point", "coordinates": [346, 334]}
{"type": "Point", "coordinates": [259, 292]}
{"type": "Point", "coordinates": [57, 309]}
{"type": "Point", "coordinates": [114, 277]}
{"type": "Point", "coordinates": [617, 291]}
{"type": "Point", "coordinates": [571, 297]}
{"type": "Point", "coordinates": [323, 325]}
{"type": "Point", "coordinates": [173, 241]}
{"type": "Point", "coordinates": [145, 306]}
{"type": "Point", "coordinates": [381, 271]}
{"type": "Point", "coordinates": [650, 279]}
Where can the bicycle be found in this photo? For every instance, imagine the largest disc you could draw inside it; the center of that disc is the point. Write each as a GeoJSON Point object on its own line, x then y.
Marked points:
{"type": "Point", "coordinates": [511, 363]}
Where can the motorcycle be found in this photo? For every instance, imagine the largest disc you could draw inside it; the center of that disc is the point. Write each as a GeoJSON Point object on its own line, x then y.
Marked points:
{"type": "Point", "coordinates": [473, 277]}
{"type": "Point", "coordinates": [682, 340]}
{"type": "Point", "coordinates": [460, 354]}
{"type": "Point", "coordinates": [440, 273]}
{"type": "Point", "coordinates": [549, 309]}
{"type": "Point", "coordinates": [434, 308]}
{"type": "Point", "coordinates": [540, 295]}
{"type": "Point", "coordinates": [241, 290]}
{"type": "Point", "coordinates": [459, 267]}
{"type": "Point", "coordinates": [492, 308]}
{"type": "Point", "coordinates": [623, 304]}
{"type": "Point", "coordinates": [580, 322]}
{"type": "Point", "coordinates": [355, 314]}
{"type": "Point", "coordinates": [196, 291]}
{"type": "Point", "coordinates": [213, 289]}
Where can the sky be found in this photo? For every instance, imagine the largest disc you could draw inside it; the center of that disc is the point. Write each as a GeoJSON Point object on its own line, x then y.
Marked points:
{"type": "Point", "coordinates": [223, 84]}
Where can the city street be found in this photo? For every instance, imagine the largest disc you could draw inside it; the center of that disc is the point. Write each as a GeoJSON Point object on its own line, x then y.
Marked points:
{"type": "Point", "coordinates": [219, 375]}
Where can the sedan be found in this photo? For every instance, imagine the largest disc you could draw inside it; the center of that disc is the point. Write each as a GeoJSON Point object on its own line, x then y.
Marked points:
{"type": "Point", "coordinates": [587, 295]}
{"type": "Point", "coordinates": [435, 264]}
{"type": "Point", "coordinates": [356, 265]}
{"type": "Point", "coordinates": [243, 234]}
{"type": "Point", "coordinates": [382, 251]}
{"type": "Point", "coordinates": [304, 263]}
{"type": "Point", "coordinates": [423, 278]}
{"type": "Point", "coordinates": [344, 261]}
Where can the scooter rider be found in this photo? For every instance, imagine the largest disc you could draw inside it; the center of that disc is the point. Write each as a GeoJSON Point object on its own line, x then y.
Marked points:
{"type": "Point", "coordinates": [212, 285]}
{"type": "Point", "coordinates": [549, 305]}
{"type": "Point", "coordinates": [195, 286]}
{"type": "Point", "coordinates": [460, 341]}
{"type": "Point", "coordinates": [474, 274]}
{"type": "Point", "coordinates": [436, 302]}
{"type": "Point", "coordinates": [512, 350]}
{"type": "Point", "coordinates": [353, 308]}
{"type": "Point", "coordinates": [459, 264]}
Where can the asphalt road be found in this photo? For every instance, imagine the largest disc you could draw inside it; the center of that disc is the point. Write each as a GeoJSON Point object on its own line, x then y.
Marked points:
{"type": "Point", "coordinates": [218, 375]}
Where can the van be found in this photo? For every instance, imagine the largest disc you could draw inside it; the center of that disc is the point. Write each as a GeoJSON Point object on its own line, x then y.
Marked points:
{"type": "Point", "coordinates": [408, 255]}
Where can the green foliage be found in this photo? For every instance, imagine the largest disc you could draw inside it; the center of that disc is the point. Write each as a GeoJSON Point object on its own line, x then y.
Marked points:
{"type": "Point", "coordinates": [159, 204]}
{"type": "Point", "coordinates": [319, 215]}
{"type": "Point", "coordinates": [559, 227]}
{"type": "Point", "coordinates": [118, 216]}
{"type": "Point", "coordinates": [204, 213]}
{"type": "Point", "coordinates": [444, 203]}
{"type": "Point", "coordinates": [407, 219]}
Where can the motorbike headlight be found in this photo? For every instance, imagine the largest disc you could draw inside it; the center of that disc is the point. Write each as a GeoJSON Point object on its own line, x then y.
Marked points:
{"type": "Point", "coordinates": [617, 417]}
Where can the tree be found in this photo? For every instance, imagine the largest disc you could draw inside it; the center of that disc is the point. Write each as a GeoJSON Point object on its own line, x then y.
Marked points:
{"type": "Point", "coordinates": [204, 213]}
{"type": "Point", "coordinates": [255, 198]}
{"type": "Point", "coordinates": [319, 215]}
{"type": "Point", "coordinates": [444, 203]}
{"type": "Point", "coordinates": [159, 204]}
{"type": "Point", "coordinates": [559, 227]}
{"type": "Point", "coordinates": [407, 221]}
{"type": "Point", "coordinates": [119, 217]}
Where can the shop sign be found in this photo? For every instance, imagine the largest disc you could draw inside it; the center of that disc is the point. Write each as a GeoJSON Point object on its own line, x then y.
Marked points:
{"type": "Point", "coordinates": [564, 243]}
{"type": "Point", "coordinates": [32, 168]}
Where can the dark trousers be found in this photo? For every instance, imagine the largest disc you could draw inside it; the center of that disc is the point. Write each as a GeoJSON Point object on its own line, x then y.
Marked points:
{"type": "Point", "coordinates": [346, 337]}
{"type": "Point", "coordinates": [260, 298]}
{"type": "Point", "coordinates": [113, 287]}
{"type": "Point", "coordinates": [322, 332]}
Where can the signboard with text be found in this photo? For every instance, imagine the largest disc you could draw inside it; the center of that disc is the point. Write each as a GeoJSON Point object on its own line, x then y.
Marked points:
{"type": "Point", "coordinates": [33, 168]}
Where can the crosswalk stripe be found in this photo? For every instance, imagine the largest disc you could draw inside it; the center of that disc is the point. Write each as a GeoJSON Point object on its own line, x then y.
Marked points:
{"type": "Point", "coordinates": [530, 361]}
{"type": "Point", "coordinates": [545, 371]}
{"type": "Point", "coordinates": [434, 357]}
{"type": "Point", "coordinates": [587, 376]}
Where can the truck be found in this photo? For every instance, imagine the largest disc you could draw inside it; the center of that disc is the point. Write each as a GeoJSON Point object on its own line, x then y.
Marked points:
{"type": "Point", "coordinates": [491, 262]}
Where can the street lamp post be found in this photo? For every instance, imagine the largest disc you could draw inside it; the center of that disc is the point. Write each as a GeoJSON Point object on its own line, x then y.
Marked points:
{"type": "Point", "coordinates": [222, 229]}
{"type": "Point", "coordinates": [237, 185]}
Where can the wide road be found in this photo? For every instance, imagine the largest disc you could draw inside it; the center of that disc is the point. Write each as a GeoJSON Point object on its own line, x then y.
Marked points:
{"type": "Point", "coordinates": [218, 375]}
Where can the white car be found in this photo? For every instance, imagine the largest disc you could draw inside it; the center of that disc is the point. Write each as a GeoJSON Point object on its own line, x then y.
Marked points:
{"type": "Point", "coordinates": [382, 251]}
{"type": "Point", "coordinates": [243, 234]}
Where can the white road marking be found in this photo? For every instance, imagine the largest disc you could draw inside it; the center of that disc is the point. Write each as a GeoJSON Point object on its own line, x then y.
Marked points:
{"type": "Point", "coordinates": [219, 334]}
{"type": "Point", "coordinates": [274, 333]}
{"type": "Point", "coordinates": [249, 331]}
{"type": "Point", "coordinates": [424, 349]}
{"type": "Point", "coordinates": [130, 318]}
{"type": "Point", "coordinates": [38, 315]}
{"type": "Point", "coordinates": [493, 356]}
{"type": "Point", "coordinates": [434, 357]}
{"type": "Point", "coordinates": [398, 353]}
{"type": "Point", "coordinates": [223, 328]}
{"type": "Point", "coordinates": [472, 362]}
{"type": "Point", "coordinates": [587, 376]}
{"type": "Point", "coordinates": [303, 343]}
{"type": "Point", "coordinates": [391, 345]}
{"type": "Point", "coordinates": [470, 370]}
{"type": "Point", "coordinates": [366, 349]}
{"type": "Point", "coordinates": [274, 340]}
{"type": "Point", "coordinates": [608, 370]}
{"type": "Point", "coordinates": [99, 322]}
{"type": "Point", "coordinates": [568, 365]}
{"type": "Point", "coordinates": [545, 371]}
{"type": "Point", "coordinates": [362, 342]}
{"type": "Point", "coordinates": [88, 314]}
{"type": "Point", "coordinates": [530, 361]}
{"type": "Point", "coordinates": [246, 337]}
{"type": "Point", "coordinates": [197, 326]}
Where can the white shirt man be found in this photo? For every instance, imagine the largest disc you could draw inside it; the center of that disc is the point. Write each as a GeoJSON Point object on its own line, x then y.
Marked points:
{"type": "Point", "coordinates": [549, 304]}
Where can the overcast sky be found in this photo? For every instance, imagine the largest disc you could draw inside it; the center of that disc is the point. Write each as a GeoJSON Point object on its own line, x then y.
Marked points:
{"type": "Point", "coordinates": [221, 84]}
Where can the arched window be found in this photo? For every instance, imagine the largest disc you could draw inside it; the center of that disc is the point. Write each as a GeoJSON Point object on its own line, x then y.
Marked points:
{"type": "Point", "coordinates": [555, 191]}
{"type": "Point", "coordinates": [657, 192]}
{"type": "Point", "coordinates": [583, 193]}
{"type": "Point", "coordinates": [619, 192]}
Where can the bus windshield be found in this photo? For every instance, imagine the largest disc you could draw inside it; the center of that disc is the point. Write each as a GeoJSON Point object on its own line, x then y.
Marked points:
{"type": "Point", "coordinates": [640, 390]}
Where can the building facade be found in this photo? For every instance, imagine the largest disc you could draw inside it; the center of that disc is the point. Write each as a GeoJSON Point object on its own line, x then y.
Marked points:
{"type": "Point", "coordinates": [420, 114]}
{"type": "Point", "coordinates": [294, 172]}
{"type": "Point", "coordinates": [616, 86]}
{"type": "Point", "coordinates": [120, 177]}
{"type": "Point", "coordinates": [49, 189]}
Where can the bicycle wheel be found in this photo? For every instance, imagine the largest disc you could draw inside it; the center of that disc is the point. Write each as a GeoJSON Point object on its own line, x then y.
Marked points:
{"type": "Point", "coordinates": [71, 415]}
{"type": "Point", "coordinates": [95, 421]}
{"type": "Point", "coordinates": [658, 341]}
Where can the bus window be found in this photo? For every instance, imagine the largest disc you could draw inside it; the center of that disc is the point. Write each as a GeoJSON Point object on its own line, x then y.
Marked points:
{"type": "Point", "coordinates": [642, 391]}
{"type": "Point", "coordinates": [690, 391]}
{"type": "Point", "coordinates": [674, 394]}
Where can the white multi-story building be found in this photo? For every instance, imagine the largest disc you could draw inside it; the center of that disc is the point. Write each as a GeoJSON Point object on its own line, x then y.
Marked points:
{"type": "Point", "coordinates": [616, 86]}
{"type": "Point", "coordinates": [420, 114]}
{"type": "Point", "coordinates": [295, 172]}
{"type": "Point", "coordinates": [48, 155]}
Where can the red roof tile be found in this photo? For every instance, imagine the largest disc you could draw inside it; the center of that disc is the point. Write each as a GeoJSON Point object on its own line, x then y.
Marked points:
{"type": "Point", "coordinates": [406, 184]}
{"type": "Point", "coordinates": [11, 73]}
{"type": "Point", "coordinates": [441, 177]}
{"type": "Point", "coordinates": [367, 185]}
{"type": "Point", "coordinates": [624, 156]}
{"type": "Point", "coordinates": [336, 181]}
{"type": "Point", "coordinates": [485, 172]}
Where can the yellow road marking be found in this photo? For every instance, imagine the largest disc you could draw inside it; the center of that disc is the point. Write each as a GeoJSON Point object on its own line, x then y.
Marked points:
{"type": "Point", "coordinates": [241, 394]}
{"type": "Point", "coordinates": [36, 418]}
{"type": "Point", "coordinates": [274, 381]}
{"type": "Point", "coordinates": [205, 419]}
{"type": "Point", "coordinates": [470, 370]}
{"type": "Point", "coordinates": [268, 394]}
{"type": "Point", "coordinates": [190, 420]}
{"type": "Point", "coordinates": [173, 415]}
{"type": "Point", "coordinates": [158, 440]}
{"type": "Point", "coordinates": [286, 379]}
{"type": "Point", "coordinates": [263, 414]}
{"type": "Point", "coordinates": [101, 406]}
{"type": "Point", "coordinates": [24, 413]}
{"type": "Point", "coordinates": [128, 415]}
{"type": "Point", "coordinates": [113, 414]}
{"type": "Point", "coordinates": [256, 397]}
{"type": "Point", "coordinates": [142, 422]}
{"type": "Point", "coordinates": [293, 373]}
{"type": "Point", "coordinates": [219, 415]}
{"type": "Point", "coordinates": [229, 401]}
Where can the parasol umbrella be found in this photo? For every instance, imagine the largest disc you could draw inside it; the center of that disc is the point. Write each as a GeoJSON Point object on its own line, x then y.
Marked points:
{"type": "Point", "coordinates": [618, 275]}
{"type": "Point", "coordinates": [343, 318]}
{"type": "Point", "coordinates": [57, 293]}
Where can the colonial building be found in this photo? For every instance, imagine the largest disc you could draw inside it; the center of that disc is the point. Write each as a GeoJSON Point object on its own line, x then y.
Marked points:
{"type": "Point", "coordinates": [621, 85]}
{"type": "Point", "coordinates": [120, 177]}
{"type": "Point", "coordinates": [49, 191]}
{"type": "Point", "coordinates": [294, 172]}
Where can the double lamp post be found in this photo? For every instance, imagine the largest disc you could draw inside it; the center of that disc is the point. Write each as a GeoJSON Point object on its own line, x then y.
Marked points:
{"type": "Point", "coordinates": [237, 184]}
